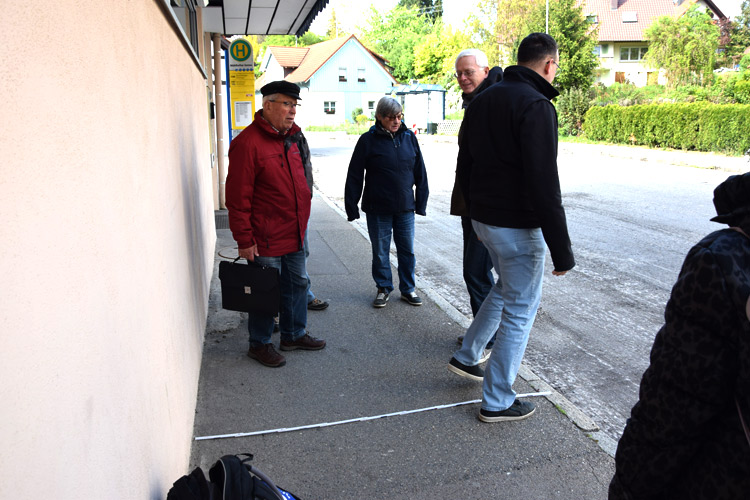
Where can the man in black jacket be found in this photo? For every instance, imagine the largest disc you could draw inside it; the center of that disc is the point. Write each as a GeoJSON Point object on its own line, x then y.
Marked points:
{"type": "Point", "coordinates": [507, 172]}
{"type": "Point", "coordinates": [474, 76]}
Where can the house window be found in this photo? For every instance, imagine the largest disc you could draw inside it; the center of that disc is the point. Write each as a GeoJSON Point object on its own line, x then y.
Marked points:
{"type": "Point", "coordinates": [329, 107]}
{"type": "Point", "coordinates": [592, 18]}
{"type": "Point", "coordinates": [597, 50]}
{"type": "Point", "coordinates": [632, 53]}
{"type": "Point", "coordinates": [630, 17]}
{"type": "Point", "coordinates": [605, 48]}
{"type": "Point", "coordinates": [361, 75]}
{"type": "Point", "coordinates": [342, 74]}
{"type": "Point", "coordinates": [370, 105]}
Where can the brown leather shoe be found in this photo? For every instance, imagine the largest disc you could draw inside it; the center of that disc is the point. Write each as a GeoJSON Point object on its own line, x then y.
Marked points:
{"type": "Point", "coordinates": [305, 342]}
{"type": "Point", "coordinates": [266, 355]}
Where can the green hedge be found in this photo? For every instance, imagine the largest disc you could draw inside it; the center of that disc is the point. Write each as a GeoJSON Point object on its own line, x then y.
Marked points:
{"type": "Point", "coordinates": [702, 126]}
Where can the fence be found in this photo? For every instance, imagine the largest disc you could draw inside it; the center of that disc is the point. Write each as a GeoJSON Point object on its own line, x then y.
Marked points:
{"type": "Point", "coordinates": [448, 127]}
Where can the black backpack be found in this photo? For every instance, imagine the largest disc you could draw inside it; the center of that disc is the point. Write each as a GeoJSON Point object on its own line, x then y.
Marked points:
{"type": "Point", "coordinates": [232, 478]}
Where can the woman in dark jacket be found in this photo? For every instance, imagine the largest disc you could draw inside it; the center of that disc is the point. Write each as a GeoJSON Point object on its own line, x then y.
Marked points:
{"type": "Point", "coordinates": [687, 437]}
{"type": "Point", "coordinates": [388, 161]}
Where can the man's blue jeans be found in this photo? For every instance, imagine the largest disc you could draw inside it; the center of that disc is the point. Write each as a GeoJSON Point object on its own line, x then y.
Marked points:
{"type": "Point", "coordinates": [477, 269]}
{"type": "Point", "coordinates": [401, 227]}
{"type": "Point", "coordinates": [306, 247]}
{"type": "Point", "coordinates": [293, 312]}
{"type": "Point", "coordinates": [518, 258]}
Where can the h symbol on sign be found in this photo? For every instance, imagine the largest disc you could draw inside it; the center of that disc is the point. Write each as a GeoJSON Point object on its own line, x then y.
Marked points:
{"type": "Point", "coordinates": [240, 51]}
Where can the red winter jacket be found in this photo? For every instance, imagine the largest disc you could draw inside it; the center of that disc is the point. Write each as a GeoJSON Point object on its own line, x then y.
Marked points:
{"type": "Point", "coordinates": [266, 190]}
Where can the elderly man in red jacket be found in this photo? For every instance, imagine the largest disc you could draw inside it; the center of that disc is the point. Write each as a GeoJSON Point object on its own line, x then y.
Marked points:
{"type": "Point", "coordinates": [269, 205]}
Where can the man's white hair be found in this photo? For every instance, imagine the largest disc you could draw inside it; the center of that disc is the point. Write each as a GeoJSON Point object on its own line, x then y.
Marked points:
{"type": "Point", "coordinates": [479, 56]}
{"type": "Point", "coordinates": [269, 97]}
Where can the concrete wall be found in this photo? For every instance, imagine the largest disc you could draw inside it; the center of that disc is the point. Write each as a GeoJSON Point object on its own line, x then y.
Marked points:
{"type": "Point", "coordinates": [107, 241]}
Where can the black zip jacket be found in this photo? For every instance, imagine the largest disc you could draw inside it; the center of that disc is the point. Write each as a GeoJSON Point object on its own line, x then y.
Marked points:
{"type": "Point", "coordinates": [507, 160]}
{"type": "Point", "coordinates": [458, 207]}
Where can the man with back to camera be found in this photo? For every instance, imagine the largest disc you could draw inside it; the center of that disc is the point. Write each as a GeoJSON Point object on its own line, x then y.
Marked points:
{"type": "Point", "coordinates": [269, 206]}
{"type": "Point", "coordinates": [507, 172]}
{"type": "Point", "coordinates": [474, 76]}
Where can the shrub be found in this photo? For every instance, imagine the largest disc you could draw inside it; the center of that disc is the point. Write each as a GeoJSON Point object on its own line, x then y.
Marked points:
{"type": "Point", "coordinates": [572, 105]}
{"type": "Point", "coordinates": [356, 113]}
{"type": "Point", "coordinates": [458, 115]}
{"type": "Point", "coordinates": [362, 119]}
{"type": "Point", "coordinates": [699, 126]}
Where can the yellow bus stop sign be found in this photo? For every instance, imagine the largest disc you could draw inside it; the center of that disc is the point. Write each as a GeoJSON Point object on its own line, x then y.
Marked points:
{"type": "Point", "coordinates": [241, 84]}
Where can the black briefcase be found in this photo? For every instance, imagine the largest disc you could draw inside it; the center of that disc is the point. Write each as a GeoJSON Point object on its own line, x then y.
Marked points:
{"type": "Point", "coordinates": [249, 287]}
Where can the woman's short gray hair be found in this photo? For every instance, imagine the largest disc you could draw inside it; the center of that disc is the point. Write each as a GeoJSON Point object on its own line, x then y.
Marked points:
{"type": "Point", "coordinates": [387, 106]}
{"type": "Point", "coordinates": [479, 56]}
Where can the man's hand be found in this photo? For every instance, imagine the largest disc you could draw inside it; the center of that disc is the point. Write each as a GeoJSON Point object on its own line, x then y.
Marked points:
{"type": "Point", "coordinates": [249, 253]}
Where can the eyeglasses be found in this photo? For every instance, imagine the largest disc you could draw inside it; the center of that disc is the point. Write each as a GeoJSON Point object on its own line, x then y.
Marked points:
{"type": "Point", "coordinates": [395, 117]}
{"type": "Point", "coordinates": [555, 63]}
{"type": "Point", "coordinates": [466, 73]}
{"type": "Point", "coordinates": [286, 104]}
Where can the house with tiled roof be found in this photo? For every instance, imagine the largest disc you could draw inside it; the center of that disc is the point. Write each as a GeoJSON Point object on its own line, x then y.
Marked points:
{"type": "Point", "coordinates": [622, 40]}
{"type": "Point", "coordinates": [335, 77]}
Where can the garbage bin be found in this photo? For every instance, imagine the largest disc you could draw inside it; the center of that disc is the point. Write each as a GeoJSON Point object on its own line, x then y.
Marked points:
{"type": "Point", "coordinates": [432, 128]}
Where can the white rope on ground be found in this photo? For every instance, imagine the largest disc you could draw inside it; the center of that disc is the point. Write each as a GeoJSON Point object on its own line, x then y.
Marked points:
{"type": "Point", "coordinates": [351, 420]}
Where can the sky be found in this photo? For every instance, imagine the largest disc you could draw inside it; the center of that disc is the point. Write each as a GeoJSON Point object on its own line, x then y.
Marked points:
{"type": "Point", "coordinates": [354, 13]}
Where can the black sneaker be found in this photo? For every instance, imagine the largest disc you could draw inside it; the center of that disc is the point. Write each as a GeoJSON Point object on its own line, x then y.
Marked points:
{"type": "Point", "coordinates": [317, 305]}
{"type": "Point", "coordinates": [517, 411]}
{"type": "Point", "coordinates": [471, 372]}
{"type": "Point", "coordinates": [381, 298]}
{"type": "Point", "coordinates": [412, 298]}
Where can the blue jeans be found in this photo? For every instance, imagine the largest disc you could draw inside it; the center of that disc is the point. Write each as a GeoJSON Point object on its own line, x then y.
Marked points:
{"type": "Point", "coordinates": [518, 258]}
{"type": "Point", "coordinates": [306, 247]}
{"type": "Point", "coordinates": [293, 311]}
{"type": "Point", "coordinates": [477, 270]}
{"type": "Point", "coordinates": [401, 227]}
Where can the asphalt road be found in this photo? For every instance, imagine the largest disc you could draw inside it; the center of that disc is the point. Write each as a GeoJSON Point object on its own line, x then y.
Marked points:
{"type": "Point", "coordinates": [632, 214]}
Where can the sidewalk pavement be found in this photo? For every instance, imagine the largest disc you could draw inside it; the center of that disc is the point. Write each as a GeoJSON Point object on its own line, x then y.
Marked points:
{"type": "Point", "coordinates": [379, 363]}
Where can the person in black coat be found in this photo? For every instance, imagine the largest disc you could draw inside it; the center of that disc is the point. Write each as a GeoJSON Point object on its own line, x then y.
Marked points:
{"type": "Point", "coordinates": [687, 436]}
{"type": "Point", "coordinates": [507, 173]}
{"type": "Point", "coordinates": [388, 161]}
{"type": "Point", "coordinates": [474, 76]}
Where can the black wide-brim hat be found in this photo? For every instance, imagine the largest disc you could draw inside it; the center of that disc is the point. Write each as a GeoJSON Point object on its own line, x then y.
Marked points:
{"type": "Point", "coordinates": [281, 87]}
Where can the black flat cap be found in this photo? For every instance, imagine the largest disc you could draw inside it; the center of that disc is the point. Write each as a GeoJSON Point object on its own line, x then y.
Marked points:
{"type": "Point", "coordinates": [281, 87]}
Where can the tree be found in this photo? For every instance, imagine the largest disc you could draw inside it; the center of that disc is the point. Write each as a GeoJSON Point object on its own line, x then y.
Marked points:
{"type": "Point", "coordinates": [513, 20]}
{"type": "Point", "coordinates": [516, 20]}
{"type": "Point", "coordinates": [576, 39]}
{"type": "Point", "coordinates": [431, 8]}
{"type": "Point", "coordinates": [434, 57]}
{"type": "Point", "coordinates": [482, 30]}
{"type": "Point", "coordinates": [685, 48]}
{"type": "Point", "coordinates": [333, 26]}
{"type": "Point", "coordinates": [395, 35]}
{"type": "Point", "coordinates": [735, 36]}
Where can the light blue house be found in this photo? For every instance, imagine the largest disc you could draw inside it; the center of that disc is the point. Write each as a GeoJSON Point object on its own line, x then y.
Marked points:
{"type": "Point", "coordinates": [336, 77]}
